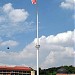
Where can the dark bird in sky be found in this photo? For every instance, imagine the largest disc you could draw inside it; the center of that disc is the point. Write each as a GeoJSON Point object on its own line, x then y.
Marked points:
{"type": "Point", "coordinates": [7, 47]}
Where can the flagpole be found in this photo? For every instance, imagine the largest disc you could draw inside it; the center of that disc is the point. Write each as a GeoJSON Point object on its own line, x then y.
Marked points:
{"type": "Point", "coordinates": [37, 34]}
{"type": "Point", "coordinates": [37, 45]}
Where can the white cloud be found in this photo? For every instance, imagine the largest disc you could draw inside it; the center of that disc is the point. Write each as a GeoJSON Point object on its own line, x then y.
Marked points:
{"type": "Point", "coordinates": [50, 59]}
{"type": "Point", "coordinates": [8, 8]}
{"type": "Point", "coordinates": [68, 4]}
{"type": "Point", "coordinates": [18, 15]}
{"type": "Point", "coordinates": [9, 43]}
{"type": "Point", "coordinates": [13, 21]}
{"type": "Point", "coordinates": [15, 15]}
{"type": "Point", "coordinates": [66, 37]}
{"type": "Point", "coordinates": [54, 48]}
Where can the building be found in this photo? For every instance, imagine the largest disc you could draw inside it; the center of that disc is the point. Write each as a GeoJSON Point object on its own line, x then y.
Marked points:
{"type": "Point", "coordinates": [17, 70]}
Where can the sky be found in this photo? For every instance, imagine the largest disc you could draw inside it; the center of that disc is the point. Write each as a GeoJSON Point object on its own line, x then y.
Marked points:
{"type": "Point", "coordinates": [18, 32]}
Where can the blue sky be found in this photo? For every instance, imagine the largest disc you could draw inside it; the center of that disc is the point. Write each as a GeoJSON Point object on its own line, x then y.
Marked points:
{"type": "Point", "coordinates": [18, 31]}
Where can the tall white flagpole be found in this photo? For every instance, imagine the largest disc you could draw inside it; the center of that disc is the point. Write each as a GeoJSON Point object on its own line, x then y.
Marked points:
{"type": "Point", "coordinates": [37, 45]}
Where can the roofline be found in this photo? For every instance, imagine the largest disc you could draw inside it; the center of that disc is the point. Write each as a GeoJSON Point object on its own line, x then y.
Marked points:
{"type": "Point", "coordinates": [21, 68]}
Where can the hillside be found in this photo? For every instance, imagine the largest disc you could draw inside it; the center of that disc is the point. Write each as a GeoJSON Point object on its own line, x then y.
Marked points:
{"type": "Point", "coordinates": [53, 70]}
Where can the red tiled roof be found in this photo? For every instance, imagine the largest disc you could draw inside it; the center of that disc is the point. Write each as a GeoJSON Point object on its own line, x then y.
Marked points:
{"type": "Point", "coordinates": [20, 68]}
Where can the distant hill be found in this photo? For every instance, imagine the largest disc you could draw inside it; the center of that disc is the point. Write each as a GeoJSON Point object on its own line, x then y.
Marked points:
{"type": "Point", "coordinates": [53, 70]}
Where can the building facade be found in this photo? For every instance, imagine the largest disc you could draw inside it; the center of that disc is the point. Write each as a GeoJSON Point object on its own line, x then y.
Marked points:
{"type": "Point", "coordinates": [17, 70]}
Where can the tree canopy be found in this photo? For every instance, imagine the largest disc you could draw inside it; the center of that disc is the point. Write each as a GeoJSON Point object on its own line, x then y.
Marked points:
{"type": "Point", "coordinates": [53, 70]}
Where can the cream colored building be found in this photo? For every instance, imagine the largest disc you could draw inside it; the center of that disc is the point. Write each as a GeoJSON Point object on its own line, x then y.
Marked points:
{"type": "Point", "coordinates": [17, 70]}
{"type": "Point", "coordinates": [32, 72]}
